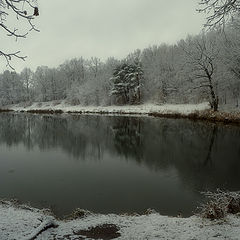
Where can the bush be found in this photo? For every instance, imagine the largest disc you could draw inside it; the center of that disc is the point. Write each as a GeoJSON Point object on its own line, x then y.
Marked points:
{"type": "Point", "coordinates": [219, 204]}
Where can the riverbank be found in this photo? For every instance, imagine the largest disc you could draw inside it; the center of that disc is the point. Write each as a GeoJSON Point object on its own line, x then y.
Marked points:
{"type": "Point", "coordinates": [24, 222]}
{"type": "Point", "coordinates": [193, 112]}
{"type": "Point", "coordinates": [144, 109]}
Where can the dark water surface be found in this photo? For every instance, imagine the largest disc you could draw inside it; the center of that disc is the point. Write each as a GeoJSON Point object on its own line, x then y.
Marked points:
{"type": "Point", "coordinates": [115, 164]}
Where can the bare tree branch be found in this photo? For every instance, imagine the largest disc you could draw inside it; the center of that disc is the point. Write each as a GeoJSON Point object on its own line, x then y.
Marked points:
{"type": "Point", "coordinates": [202, 53]}
{"type": "Point", "coordinates": [8, 57]}
{"type": "Point", "coordinates": [21, 9]}
{"type": "Point", "coordinates": [219, 12]}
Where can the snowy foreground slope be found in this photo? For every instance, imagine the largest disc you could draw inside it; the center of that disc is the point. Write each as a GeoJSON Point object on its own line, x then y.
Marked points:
{"type": "Point", "coordinates": [24, 223]}
{"type": "Point", "coordinates": [184, 109]}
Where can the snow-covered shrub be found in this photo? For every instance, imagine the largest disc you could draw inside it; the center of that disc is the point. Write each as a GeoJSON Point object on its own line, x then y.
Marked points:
{"type": "Point", "coordinates": [78, 213]}
{"type": "Point", "coordinates": [219, 204]}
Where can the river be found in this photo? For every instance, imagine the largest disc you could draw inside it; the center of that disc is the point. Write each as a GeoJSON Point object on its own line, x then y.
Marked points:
{"type": "Point", "coordinates": [115, 164]}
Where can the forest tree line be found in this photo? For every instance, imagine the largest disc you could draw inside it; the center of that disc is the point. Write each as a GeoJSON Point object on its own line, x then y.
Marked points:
{"type": "Point", "coordinates": [204, 67]}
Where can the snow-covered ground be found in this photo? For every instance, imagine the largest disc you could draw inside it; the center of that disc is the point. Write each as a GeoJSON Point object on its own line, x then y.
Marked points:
{"type": "Point", "coordinates": [184, 109]}
{"type": "Point", "coordinates": [24, 223]}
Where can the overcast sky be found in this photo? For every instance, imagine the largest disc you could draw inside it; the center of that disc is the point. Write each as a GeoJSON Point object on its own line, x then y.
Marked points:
{"type": "Point", "coordinates": [102, 28]}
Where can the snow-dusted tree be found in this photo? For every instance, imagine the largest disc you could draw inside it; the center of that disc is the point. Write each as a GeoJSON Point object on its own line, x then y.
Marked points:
{"type": "Point", "coordinates": [127, 82]}
{"type": "Point", "coordinates": [107, 84]}
{"type": "Point", "coordinates": [219, 11]}
{"type": "Point", "coordinates": [201, 56]}
{"type": "Point", "coordinates": [12, 11]}
{"type": "Point", "coordinates": [136, 75]}
{"type": "Point", "coordinates": [74, 71]}
{"type": "Point", "coordinates": [231, 60]}
{"type": "Point", "coordinates": [49, 84]}
{"type": "Point", "coordinates": [94, 65]}
{"type": "Point", "coordinates": [83, 78]}
{"type": "Point", "coordinates": [120, 83]}
{"type": "Point", "coordinates": [232, 47]}
{"type": "Point", "coordinates": [159, 64]}
{"type": "Point", "coordinates": [41, 83]}
{"type": "Point", "coordinates": [26, 78]}
{"type": "Point", "coordinates": [11, 88]}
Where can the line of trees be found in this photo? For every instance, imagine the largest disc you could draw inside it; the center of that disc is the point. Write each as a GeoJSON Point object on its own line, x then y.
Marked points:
{"type": "Point", "coordinates": [205, 67]}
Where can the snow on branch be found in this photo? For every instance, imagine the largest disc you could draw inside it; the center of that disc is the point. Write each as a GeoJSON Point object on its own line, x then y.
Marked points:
{"type": "Point", "coordinates": [219, 204]}
{"type": "Point", "coordinates": [219, 11]}
{"type": "Point", "coordinates": [48, 223]}
{"type": "Point", "coordinates": [9, 56]}
{"type": "Point", "coordinates": [20, 9]}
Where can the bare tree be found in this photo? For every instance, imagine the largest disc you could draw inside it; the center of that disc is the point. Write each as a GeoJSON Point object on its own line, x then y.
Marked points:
{"type": "Point", "coordinates": [26, 77]}
{"type": "Point", "coordinates": [18, 9]}
{"type": "Point", "coordinates": [94, 65]}
{"type": "Point", "coordinates": [219, 11]}
{"type": "Point", "coordinates": [202, 54]}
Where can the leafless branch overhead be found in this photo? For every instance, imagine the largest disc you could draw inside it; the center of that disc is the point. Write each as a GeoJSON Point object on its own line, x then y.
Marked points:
{"type": "Point", "coordinates": [219, 12]}
{"type": "Point", "coordinates": [20, 9]}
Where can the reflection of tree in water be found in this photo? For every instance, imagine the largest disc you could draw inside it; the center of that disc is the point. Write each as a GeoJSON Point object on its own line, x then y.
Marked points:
{"type": "Point", "coordinates": [79, 137]}
{"type": "Point", "coordinates": [208, 160]}
{"type": "Point", "coordinates": [16, 128]}
{"type": "Point", "coordinates": [52, 132]}
{"type": "Point", "coordinates": [127, 137]}
{"type": "Point", "coordinates": [204, 155]}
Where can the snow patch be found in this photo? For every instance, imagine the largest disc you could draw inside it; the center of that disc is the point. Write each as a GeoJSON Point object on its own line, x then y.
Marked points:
{"type": "Point", "coordinates": [20, 223]}
{"type": "Point", "coordinates": [184, 109]}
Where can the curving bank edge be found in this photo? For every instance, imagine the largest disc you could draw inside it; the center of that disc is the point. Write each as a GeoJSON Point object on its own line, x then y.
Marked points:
{"type": "Point", "coordinates": [24, 222]}
{"type": "Point", "coordinates": [194, 112]}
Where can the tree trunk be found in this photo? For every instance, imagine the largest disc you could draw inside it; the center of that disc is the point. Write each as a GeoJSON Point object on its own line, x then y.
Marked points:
{"type": "Point", "coordinates": [215, 105]}
{"type": "Point", "coordinates": [214, 99]}
{"type": "Point", "coordinates": [138, 91]}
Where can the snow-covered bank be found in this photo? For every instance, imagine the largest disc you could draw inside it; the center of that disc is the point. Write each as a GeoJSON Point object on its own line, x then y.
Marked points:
{"type": "Point", "coordinates": [200, 111]}
{"type": "Point", "coordinates": [184, 109]}
{"type": "Point", "coordinates": [22, 223]}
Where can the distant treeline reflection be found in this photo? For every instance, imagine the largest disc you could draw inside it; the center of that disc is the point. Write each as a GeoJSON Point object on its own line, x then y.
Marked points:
{"type": "Point", "coordinates": [206, 153]}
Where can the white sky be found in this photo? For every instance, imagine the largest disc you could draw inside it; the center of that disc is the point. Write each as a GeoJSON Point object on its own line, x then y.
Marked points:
{"type": "Point", "coordinates": [102, 28]}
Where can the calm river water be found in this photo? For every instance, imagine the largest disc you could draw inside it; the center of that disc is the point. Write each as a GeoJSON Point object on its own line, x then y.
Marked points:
{"type": "Point", "coordinates": [115, 164]}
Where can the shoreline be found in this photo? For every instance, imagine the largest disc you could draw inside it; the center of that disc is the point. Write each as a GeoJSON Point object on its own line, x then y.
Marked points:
{"type": "Point", "coordinates": [25, 222]}
{"type": "Point", "coordinates": [194, 112]}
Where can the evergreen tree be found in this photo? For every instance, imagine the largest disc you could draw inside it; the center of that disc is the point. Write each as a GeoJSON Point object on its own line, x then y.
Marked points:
{"type": "Point", "coordinates": [127, 82]}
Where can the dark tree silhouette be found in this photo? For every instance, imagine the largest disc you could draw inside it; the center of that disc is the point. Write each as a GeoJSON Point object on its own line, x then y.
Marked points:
{"type": "Point", "coordinates": [18, 10]}
{"type": "Point", "coordinates": [202, 54]}
{"type": "Point", "coordinates": [219, 11]}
